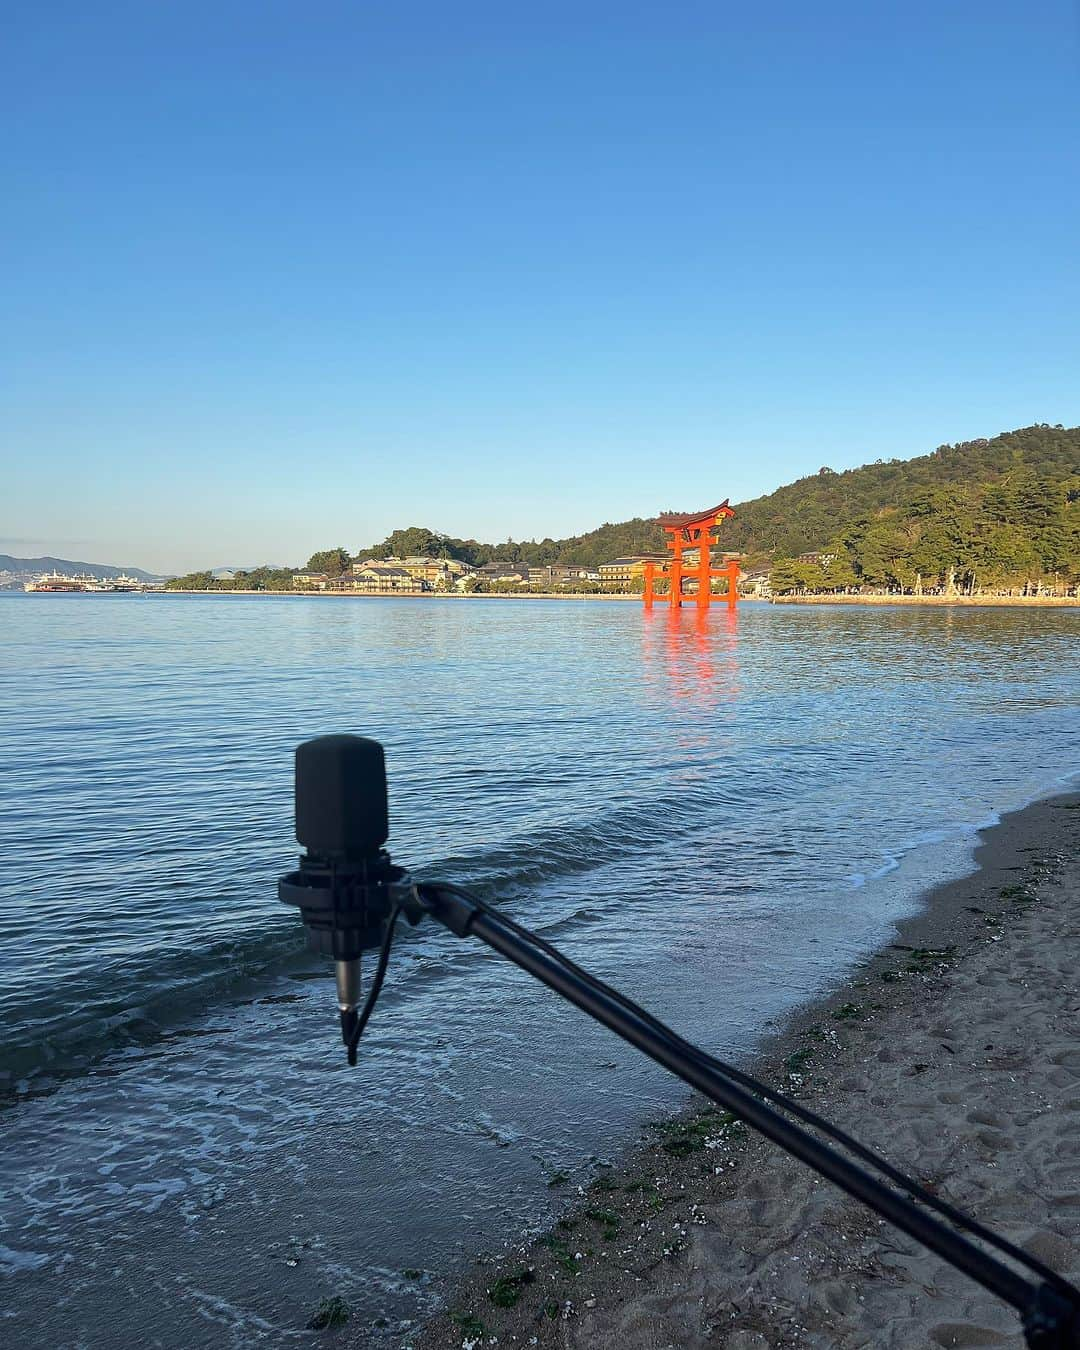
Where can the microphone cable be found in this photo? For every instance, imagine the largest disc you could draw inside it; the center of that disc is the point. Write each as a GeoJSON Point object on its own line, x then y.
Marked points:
{"type": "Point", "coordinates": [364, 1016]}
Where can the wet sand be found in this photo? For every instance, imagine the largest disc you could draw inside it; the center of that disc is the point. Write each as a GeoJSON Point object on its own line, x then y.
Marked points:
{"type": "Point", "coordinates": [955, 1052]}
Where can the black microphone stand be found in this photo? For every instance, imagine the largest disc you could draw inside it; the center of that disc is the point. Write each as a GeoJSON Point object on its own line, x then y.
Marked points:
{"type": "Point", "coordinates": [347, 895]}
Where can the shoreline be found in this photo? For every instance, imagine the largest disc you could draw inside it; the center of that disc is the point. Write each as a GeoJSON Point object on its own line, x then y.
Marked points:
{"type": "Point", "coordinates": [1034, 601]}
{"type": "Point", "coordinates": [964, 601]}
{"type": "Point", "coordinates": [705, 1236]}
{"type": "Point", "coordinates": [416, 595]}
{"type": "Point", "coordinates": [970, 601]}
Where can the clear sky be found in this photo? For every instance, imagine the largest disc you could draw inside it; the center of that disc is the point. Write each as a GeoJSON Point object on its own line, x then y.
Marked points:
{"type": "Point", "coordinates": [284, 275]}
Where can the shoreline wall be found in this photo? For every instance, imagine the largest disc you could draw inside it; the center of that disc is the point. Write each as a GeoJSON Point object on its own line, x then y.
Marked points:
{"type": "Point", "coordinates": [1064, 601]}
{"type": "Point", "coordinates": [1035, 601]}
{"type": "Point", "coordinates": [416, 595]}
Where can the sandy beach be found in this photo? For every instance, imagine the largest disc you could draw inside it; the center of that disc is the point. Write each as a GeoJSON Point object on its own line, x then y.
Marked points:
{"type": "Point", "coordinates": [955, 1052]}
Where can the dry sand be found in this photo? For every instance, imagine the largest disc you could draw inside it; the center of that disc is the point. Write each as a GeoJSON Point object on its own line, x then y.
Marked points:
{"type": "Point", "coordinates": [956, 1053]}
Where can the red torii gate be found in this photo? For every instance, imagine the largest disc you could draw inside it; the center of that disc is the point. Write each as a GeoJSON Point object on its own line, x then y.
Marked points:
{"type": "Point", "coordinates": [692, 532]}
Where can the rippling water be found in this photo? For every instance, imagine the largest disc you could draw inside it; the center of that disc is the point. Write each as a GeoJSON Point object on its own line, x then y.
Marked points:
{"type": "Point", "coordinates": [718, 813]}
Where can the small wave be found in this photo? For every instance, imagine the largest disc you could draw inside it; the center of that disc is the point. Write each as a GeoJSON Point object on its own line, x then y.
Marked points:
{"type": "Point", "coordinates": [565, 850]}
{"type": "Point", "coordinates": [960, 831]}
{"type": "Point", "coordinates": [54, 1041]}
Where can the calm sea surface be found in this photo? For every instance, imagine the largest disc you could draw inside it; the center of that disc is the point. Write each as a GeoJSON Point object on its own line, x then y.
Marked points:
{"type": "Point", "coordinates": [718, 814]}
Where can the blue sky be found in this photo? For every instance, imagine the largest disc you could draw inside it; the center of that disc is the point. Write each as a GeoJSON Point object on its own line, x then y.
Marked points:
{"type": "Point", "coordinates": [285, 275]}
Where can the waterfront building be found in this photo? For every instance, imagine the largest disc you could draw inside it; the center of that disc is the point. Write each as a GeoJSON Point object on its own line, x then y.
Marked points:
{"type": "Point", "coordinates": [424, 568]}
{"type": "Point", "coordinates": [384, 578]}
{"type": "Point", "coordinates": [621, 571]}
{"type": "Point", "coordinates": [559, 574]}
{"type": "Point", "coordinates": [756, 584]}
{"type": "Point", "coordinates": [516, 572]}
{"type": "Point", "coordinates": [433, 570]}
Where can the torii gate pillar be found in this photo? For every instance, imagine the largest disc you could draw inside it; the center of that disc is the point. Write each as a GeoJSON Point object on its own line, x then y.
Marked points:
{"type": "Point", "coordinates": [692, 532]}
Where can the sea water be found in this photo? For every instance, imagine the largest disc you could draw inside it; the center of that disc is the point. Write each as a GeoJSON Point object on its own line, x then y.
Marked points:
{"type": "Point", "coordinates": [719, 813]}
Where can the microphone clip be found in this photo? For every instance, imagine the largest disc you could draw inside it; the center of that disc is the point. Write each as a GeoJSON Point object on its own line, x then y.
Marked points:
{"type": "Point", "coordinates": [345, 903]}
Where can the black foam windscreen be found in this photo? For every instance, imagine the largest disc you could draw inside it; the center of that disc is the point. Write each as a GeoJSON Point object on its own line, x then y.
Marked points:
{"type": "Point", "coordinates": [341, 796]}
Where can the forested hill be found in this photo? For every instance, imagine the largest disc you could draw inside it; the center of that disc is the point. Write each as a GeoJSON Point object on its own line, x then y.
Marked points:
{"type": "Point", "coordinates": [810, 514]}
{"type": "Point", "coordinates": [806, 515]}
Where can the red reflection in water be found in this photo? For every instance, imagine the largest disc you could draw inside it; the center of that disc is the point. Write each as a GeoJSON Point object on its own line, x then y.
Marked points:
{"type": "Point", "coordinates": [691, 655]}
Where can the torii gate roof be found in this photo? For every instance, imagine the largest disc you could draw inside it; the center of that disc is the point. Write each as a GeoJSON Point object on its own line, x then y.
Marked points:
{"type": "Point", "coordinates": [674, 521]}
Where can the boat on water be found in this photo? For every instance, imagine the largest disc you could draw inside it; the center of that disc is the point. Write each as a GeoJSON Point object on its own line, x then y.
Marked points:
{"type": "Point", "coordinates": [123, 583]}
{"type": "Point", "coordinates": [85, 583]}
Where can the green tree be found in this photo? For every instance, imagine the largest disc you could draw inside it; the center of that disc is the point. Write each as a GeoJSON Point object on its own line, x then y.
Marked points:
{"type": "Point", "coordinates": [787, 576]}
{"type": "Point", "coordinates": [194, 581]}
{"type": "Point", "coordinates": [332, 561]}
{"type": "Point", "coordinates": [838, 574]}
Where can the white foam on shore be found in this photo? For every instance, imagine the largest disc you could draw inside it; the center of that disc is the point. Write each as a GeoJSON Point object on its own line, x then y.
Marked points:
{"type": "Point", "coordinates": [962, 832]}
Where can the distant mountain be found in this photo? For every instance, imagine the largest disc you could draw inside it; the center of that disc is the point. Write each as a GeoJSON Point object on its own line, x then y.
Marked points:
{"type": "Point", "coordinates": [35, 566]}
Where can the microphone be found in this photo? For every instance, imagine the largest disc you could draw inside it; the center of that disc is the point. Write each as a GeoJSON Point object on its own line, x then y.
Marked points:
{"type": "Point", "coordinates": [341, 809]}
{"type": "Point", "coordinates": [346, 886]}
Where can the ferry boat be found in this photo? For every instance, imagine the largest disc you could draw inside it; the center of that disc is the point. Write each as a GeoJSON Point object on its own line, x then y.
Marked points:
{"type": "Point", "coordinates": [55, 581]}
{"type": "Point", "coordinates": [84, 583]}
{"type": "Point", "coordinates": [122, 583]}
